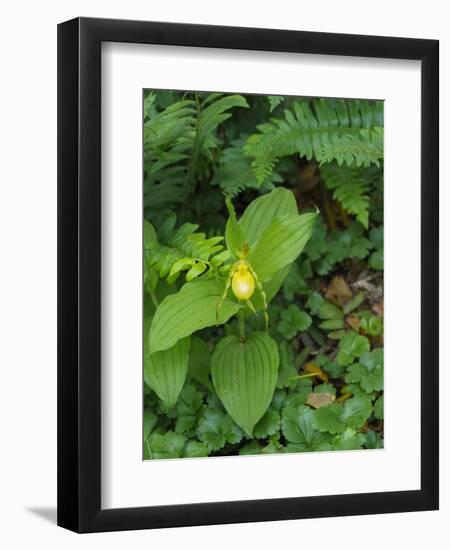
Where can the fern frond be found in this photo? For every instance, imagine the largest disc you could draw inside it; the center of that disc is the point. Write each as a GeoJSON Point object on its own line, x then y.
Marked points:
{"type": "Point", "coordinates": [274, 101]}
{"type": "Point", "coordinates": [354, 199]}
{"type": "Point", "coordinates": [309, 128]}
{"type": "Point", "coordinates": [234, 173]}
{"type": "Point", "coordinates": [177, 140]}
{"type": "Point", "coordinates": [184, 250]}
{"type": "Point", "coordinates": [351, 187]}
{"type": "Point", "coordinates": [209, 117]}
{"type": "Point", "coordinates": [361, 149]}
{"type": "Point", "coordinates": [168, 138]}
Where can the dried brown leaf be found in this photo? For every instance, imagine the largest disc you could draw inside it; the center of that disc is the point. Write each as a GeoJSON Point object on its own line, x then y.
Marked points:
{"type": "Point", "coordinates": [318, 400]}
{"type": "Point", "coordinates": [338, 291]}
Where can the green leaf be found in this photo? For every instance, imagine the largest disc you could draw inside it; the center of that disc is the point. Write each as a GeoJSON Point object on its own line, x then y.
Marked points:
{"type": "Point", "coordinates": [294, 283]}
{"type": "Point", "coordinates": [298, 428]}
{"type": "Point", "coordinates": [336, 417]}
{"type": "Point", "coordinates": [183, 249]}
{"type": "Point", "coordinates": [314, 302]}
{"type": "Point", "coordinates": [187, 409]}
{"type": "Point", "coordinates": [378, 408]}
{"type": "Point", "coordinates": [280, 244]}
{"type": "Point", "coordinates": [195, 449]}
{"type": "Point", "coordinates": [150, 420]}
{"type": "Point", "coordinates": [293, 320]}
{"type": "Point", "coordinates": [351, 347]}
{"type": "Point", "coordinates": [357, 410]}
{"type": "Point", "coordinates": [173, 445]}
{"type": "Point", "coordinates": [333, 369]}
{"type": "Point", "coordinates": [362, 149]}
{"type": "Point", "coordinates": [168, 445]}
{"type": "Point", "coordinates": [234, 234]}
{"type": "Point", "coordinates": [373, 440]}
{"type": "Point", "coordinates": [261, 212]}
{"type": "Point", "coordinates": [349, 440]}
{"type": "Point", "coordinates": [200, 361]}
{"type": "Point", "coordinates": [371, 324]}
{"type": "Point", "coordinates": [195, 271]}
{"type": "Point", "coordinates": [254, 448]}
{"type": "Point", "coordinates": [299, 393]}
{"type": "Point", "coordinates": [286, 369]}
{"type": "Point", "coordinates": [165, 371]}
{"type": "Point", "coordinates": [350, 186]}
{"type": "Point", "coordinates": [330, 311]}
{"type": "Point", "coordinates": [215, 429]}
{"type": "Point", "coordinates": [270, 289]}
{"type": "Point", "coordinates": [268, 425]}
{"type": "Point", "coordinates": [348, 130]}
{"type": "Point", "coordinates": [192, 308]}
{"type": "Point", "coordinates": [274, 101]}
{"type": "Point", "coordinates": [150, 237]}
{"type": "Point", "coordinates": [244, 376]}
{"type": "Point", "coordinates": [234, 172]}
{"type": "Point", "coordinates": [329, 419]}
{"type": "Point", "coordinates": [251, 448]}
{"type": "Point", "coordinates": [376, 260]}
{"type": "Point", "coordinates": [369, 372]}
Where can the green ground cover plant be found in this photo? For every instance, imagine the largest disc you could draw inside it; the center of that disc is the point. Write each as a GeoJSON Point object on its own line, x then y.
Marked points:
{"type": "Point", "coordinates": [263, 274]}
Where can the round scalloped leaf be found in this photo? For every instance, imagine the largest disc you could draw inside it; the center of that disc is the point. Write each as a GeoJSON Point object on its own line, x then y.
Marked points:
{"type": "Point", "coordinates": [245, 375]}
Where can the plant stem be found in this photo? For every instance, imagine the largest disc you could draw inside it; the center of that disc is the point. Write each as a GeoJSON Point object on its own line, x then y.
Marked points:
{"type": "Point", "coordinates": [241, 326]}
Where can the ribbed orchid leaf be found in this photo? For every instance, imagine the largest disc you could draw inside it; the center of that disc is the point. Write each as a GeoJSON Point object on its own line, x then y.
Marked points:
{"type": "Point", "coordinates": [280, 244]}
{"type": "Point", "coordinates": [244, 376]}
{"type": "Point", "coordinates": [192, 308]}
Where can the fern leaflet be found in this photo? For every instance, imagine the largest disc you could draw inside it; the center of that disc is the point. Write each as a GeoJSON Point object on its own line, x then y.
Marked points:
{"type": "Point", "coordinates": [171, 252]}
{"type": "Point", "coordinates": [311, 128]}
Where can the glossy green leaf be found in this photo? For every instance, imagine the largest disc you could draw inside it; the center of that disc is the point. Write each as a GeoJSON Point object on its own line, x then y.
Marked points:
{"type": "Point", "coordinates": [192, 308]}
{"type": "Point", "coordinates": [173, 445]}
{"type": "Point", "coordinates": [373, 440]}
{"type": "Point", "coordinates": [293, 320]}
{"type": "Point", "coordinates": [298, 428]}
{"type": "Point", "coordinates": [188, 408]}
{"type": "Point", "coordinates": [349, 440]}
{"type": "Point", "coordinates": [351, 347]}
{"type": "Point", "coordinates": [168, 445]}
{"type": "Point", "coordinates": [165, 371]}
{"type": "Point", "coordinates": [335, 418]}
{"type": "Point", "coordinates": [369, 372]}
{"type": "Point", "coordinates": [378, 408]}
{"type": "Point", "coordinates": [245, 375]}
{"type": "Point", "coordinates": [357, 410]}
{"type": "Point", "coordinates": [268, 425]}
{"type": "Point", "coordinates": [261, 212]}
{"type": "Point", "coordinates": [280, 244]}
{"type": "Point", "coordinates": [216, 429]}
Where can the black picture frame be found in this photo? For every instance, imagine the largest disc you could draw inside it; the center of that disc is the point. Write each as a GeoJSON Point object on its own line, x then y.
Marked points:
{"type": "Point", "coordinates": [79, 274]}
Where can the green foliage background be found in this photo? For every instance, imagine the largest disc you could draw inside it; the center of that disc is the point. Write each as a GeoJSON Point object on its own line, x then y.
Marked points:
{"type": "Point", "coordinates": [327, 316]}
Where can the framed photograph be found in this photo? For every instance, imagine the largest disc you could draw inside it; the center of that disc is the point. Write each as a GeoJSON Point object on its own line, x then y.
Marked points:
{"type": "Point", "coordinates": [248, 275]}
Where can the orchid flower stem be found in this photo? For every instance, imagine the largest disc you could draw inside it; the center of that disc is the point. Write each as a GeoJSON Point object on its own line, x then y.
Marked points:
{"type": "Point", "coordinates": [241, 317]}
